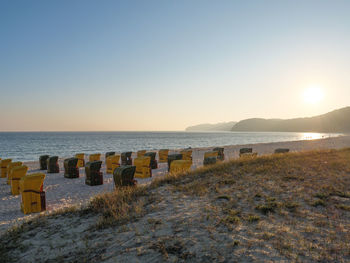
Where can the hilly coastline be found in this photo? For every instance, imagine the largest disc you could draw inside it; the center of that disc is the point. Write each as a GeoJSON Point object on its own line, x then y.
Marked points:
{"type": "Point", "coordinates": [222, 126]}
{"type": "Point", "coordinates": [337, 121]}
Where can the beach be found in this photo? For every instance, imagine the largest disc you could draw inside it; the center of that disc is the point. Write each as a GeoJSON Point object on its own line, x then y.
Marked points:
{"type": "Point", "coordinates": [62, 192]}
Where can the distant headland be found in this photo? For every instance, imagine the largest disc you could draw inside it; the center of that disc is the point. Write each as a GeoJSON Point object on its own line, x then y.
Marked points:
{"type": "Point", "coordinates": [334, 121]}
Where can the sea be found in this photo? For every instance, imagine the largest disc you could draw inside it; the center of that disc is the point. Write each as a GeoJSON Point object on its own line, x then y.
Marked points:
{"type": "Point", "coordinates": [28, 146]}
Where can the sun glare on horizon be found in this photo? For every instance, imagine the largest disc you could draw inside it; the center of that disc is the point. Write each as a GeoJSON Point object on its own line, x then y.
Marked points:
{"type": "Point", "coordinates": [313, 94]}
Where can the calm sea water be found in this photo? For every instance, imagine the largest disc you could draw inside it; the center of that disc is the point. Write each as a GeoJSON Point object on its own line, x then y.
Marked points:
{"type": "Point", "coordinates": [28, 146]}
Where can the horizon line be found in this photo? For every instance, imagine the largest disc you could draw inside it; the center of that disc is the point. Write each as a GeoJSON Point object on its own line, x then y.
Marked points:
{"type": "Point", "coordinates": [91, 131]}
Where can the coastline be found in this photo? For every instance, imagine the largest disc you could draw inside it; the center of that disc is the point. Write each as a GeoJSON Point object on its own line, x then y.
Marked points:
{"type": "Point", "coordinates": [27, 147]}
{"type": "Point", "coordinates": [62, 192]}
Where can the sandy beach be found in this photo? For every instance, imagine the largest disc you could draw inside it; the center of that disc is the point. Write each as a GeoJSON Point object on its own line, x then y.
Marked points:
{"type": "Point", "coordinates": [62, 192]}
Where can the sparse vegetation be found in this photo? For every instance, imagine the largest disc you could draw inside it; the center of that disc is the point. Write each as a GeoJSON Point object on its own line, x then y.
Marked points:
{"type": "Point", "coordinates": [269, 206]}
{"type": "Point", "coordinates": [267, 235]}
{"type": "Point", "coordinates": [344, 207]}
{"type": "Point", "coordinates": [224, 197]}
{"type": "Point", "coordinates": [253, 218]}
{"type": "Point", "coordinates": [342, 194]}
{"type": "Point", "coordinates": [120, 206]}
{"type": "Point", "coordinates": [235, 243]}
{"type": "Point", "coordinates": [231, 219]}
{"type": "Point", "coordinates": [322, 196]}
{"type": "Point", "coordinates": [293, 206]}
{"type": "Point", "coordinates": [318, 202]}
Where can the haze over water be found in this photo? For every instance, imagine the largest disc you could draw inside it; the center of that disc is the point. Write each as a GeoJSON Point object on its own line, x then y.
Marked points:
{"type": "Point", "coordinates": [28, 146]}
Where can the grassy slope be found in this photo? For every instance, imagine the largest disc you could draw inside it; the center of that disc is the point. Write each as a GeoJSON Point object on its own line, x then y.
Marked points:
{"type": "Point", "coordinates": [280, 207]}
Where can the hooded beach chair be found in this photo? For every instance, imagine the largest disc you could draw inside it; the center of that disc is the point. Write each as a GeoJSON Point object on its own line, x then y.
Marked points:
{"type": "Point", "coordinates": [52, 165]}
{"type": "Point", "coordinates": [124, 176]}
{"type": "Point", "coordinates": [81, 159]}
{"type": "Point", "coordinates": [210, 157]}
{"type": "Point", "coordinates": [173, 157]}
{"type": "Point", "coordinates": [32, 196]}
{"type": "Point", "coordinates": [143, 169]}
{"type": "Point", "coordinates": [16, 174]}
{"type": "Point", "coordinates": [163, 155]}
{"type": "Point", "coordinates": [126, 158]}
{"type": "Point", "coordinates": [221, 155]}
{"type": "Point", "coordinates": [210, 160]}
{"type": "Point", "coordinates": [107, 154]}
{"type": "Point", "coordinates": [43, 162]}
{"type": "Point", "coordinates": [94, 157]}
{"type": "Point", "coordinates": [211, 154]}
{"type": "Point", "coordinates": [186, 154]}
{"type": "Point", "coordinates": [247, 152]}
{"type": "Point", "coordinates": [282, 150]}
{"type": "Point", "coordinates": [180, 166]}
{"type": "Point", "coordinates": [9, 170]}
{"type": "Point", "coordinates": [112, 162]}
{"type": "Point", "coordinates": [154, 163]}
{"type": "Point", "coordinates": [93, 174]}
{"type": "Point", "coordinates": [141, 153]}
{"type": "Point", "coordinates": [71, 169]}
{"type": "Point", "coordinates": [4, 164]}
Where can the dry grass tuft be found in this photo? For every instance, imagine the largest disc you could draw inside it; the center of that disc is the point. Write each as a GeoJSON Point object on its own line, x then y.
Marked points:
{"type": "Point", "coordinates": [120, 206]}
{"type": "Point", "coordinates": [344, 207]}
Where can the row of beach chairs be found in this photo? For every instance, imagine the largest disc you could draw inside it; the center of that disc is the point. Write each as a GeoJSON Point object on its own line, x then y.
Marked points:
{"type": "Point", "coordinates": [123, 168]}
{"type": "Point", "coordinates": [30, 186]}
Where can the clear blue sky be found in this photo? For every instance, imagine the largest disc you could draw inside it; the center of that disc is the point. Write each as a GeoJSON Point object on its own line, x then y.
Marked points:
{"type": "Point", "coordinates": [165, 65]}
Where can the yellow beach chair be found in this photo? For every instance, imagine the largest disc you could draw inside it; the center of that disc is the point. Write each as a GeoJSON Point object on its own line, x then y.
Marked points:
{"type": "Point", "coordinates": [107, 154]}
{"type": "Point", "coordinates": [112, 162]}
{"type": "Point", "coordinates": [4, 164]}
{"type": "Point", "coordinates": [247, 153]}
{"type": "Point", "coordinates": [179, 166]}
{"type": "Point", "coordinates": [143, 169]}
{"type": "Point", "coordinates": [17, 173]}
{"type": "Point", "coordinates": [32, 195]}
{"type": "Point", "coordinates": [9, 170]}
{"type": "Point", "coordinates": [94, 157]}
{"type": "Point", "coordinates": [141, 153]}
{"type": "Point", "coordinates": [211, 154]}
{"type": "Point", "coordinates": [187, 154]}
{"type": "Point", "coordinates": [163, 155]}
{"type": "Point", "coordinates": [81, 159]}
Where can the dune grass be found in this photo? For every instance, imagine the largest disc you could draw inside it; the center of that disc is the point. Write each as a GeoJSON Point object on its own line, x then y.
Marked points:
{"type": "Point", "coordinates": [300, 200]}
{"type": "Point", "coordinates": [296, 204]}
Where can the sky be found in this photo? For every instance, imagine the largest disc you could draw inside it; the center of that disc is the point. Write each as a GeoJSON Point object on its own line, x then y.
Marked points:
{"type": "Point", "coordinates": [165, 65]}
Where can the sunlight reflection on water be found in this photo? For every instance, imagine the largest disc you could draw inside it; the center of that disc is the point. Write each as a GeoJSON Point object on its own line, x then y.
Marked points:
{"type": "Point", "coordinates": [314, 136]}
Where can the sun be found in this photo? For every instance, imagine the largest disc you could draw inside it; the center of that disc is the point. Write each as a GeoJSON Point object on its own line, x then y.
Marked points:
{"type": "Point", "coordinates": [313, 94]}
